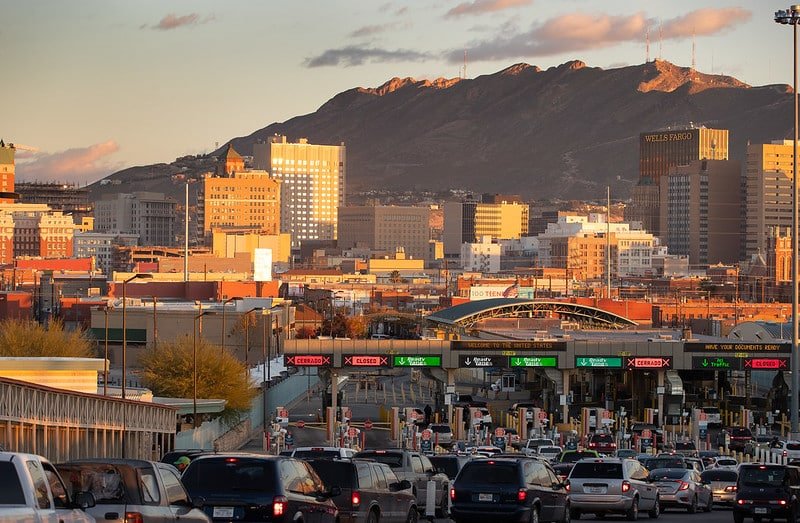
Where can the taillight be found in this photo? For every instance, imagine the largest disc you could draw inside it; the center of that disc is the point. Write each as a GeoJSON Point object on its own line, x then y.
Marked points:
{"type": "Point", "coordinates": [279, 506]}
{"type": "Point", "coordinates": [684, 486]}
{"type": "Point", "coordinates": [133, 517]}
{"type": "Point", "coordinates": [613, 445]}
{"type": "Point", "coordinates": [355, 498]}
{"type": "Point", "coordinates": [730, 488]}
{"type": "Point", "coordinates": [566, 486]}
{"type": "Point", "coordinates": [452, 494]}
{"type": "Point", "coordinates": [592, 444]}
{"type": "Point", "coordinates": [785, 453]}
{"type": "Point", "coordinates": [626, 486]}
{"type": "Point", "coordinates": [522, 495]}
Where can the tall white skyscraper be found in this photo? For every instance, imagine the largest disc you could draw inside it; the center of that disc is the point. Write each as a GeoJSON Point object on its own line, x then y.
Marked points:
{"type": "Point", "coordinates": [312, 185]}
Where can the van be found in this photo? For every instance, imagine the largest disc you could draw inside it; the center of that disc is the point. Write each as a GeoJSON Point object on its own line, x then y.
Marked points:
{"type": "Point", "coordinates": [767, 492]}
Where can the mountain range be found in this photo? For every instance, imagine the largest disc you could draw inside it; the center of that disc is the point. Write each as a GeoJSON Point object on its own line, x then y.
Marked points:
{"type": "Point", "coordinates": [564, 132]}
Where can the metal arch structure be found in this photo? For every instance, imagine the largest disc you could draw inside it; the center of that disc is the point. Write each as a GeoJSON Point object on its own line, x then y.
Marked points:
{"type": "Point", "coordinates": [63, 425]}
{"type": "Point", "coordinates": [466, 315]}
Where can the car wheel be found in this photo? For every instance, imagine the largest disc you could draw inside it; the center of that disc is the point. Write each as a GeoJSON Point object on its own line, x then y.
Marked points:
{"type": "Point", "coordinates": [567, 513]}
{"type": "Point", "coordinates": [574, 514]}
{"type": "Point", "coordinates": [534, 515]}
{"type": "Point", "coordinates": [691, 509]}
{"type": "Point", "coordinates": [373, 516]}
{"type": "Point", "coordinates": [656, 510]}
{"type": "Point", "coordinates": [633, 513]}
{"type": "Point", "coordinates": [413, 515]}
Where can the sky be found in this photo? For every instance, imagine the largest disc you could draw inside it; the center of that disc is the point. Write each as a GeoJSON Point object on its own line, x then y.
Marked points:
{"type": "Point", "coordinates": [99, 85]}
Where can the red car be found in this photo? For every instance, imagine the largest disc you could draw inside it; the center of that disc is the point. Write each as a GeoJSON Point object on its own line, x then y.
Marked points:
{"type": "Point", "coordinates": [603, 443]}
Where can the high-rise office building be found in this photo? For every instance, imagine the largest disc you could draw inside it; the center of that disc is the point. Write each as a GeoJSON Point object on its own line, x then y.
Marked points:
{"type": "Point", "coordinates": [701, 211]}
{"type": "Point", "coordinates": [386, 227]}
{"type": "Point", "coordinates": [312, 185]}
{"type": "Point", "coordinates": [661, 150]}
{"type": "Point", "coordinates": [469, 221]}
{"type": "Point", "coordinates": [150, 215]}
{"type": "Point", "coordinates": [65, 197]}
{"type": "Point", "coordinates": [768, 186]}
{"type": "Point", "coordinates": [6, 171]}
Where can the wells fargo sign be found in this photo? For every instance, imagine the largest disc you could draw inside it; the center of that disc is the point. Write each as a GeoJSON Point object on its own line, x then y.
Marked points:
{"type": "Point", "coordinates": [668, 137]}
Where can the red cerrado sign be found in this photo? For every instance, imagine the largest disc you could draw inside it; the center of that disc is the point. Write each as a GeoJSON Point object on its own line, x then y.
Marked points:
{"type": "Point", "coordinates": [766, 363]}
{"type": "Point", "coordinates": [309, 360]}
{"type": "Point", "coordinates": [655, 362]}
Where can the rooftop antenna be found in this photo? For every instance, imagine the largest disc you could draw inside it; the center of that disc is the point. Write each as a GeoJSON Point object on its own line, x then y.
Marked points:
{"type": "Point", "coordinates": [694, 49]}
{"type": "Point", "coordinates": [465, 64]}
{"type": "Point", "coordinates": [647, 44]}
{"type": "Point", "coordinates": [660, 38]}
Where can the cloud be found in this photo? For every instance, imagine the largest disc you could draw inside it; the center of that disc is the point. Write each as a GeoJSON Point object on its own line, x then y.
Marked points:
{"type": "Point", "coordinates": [369, 30]}
{"type": "Point", "coordinates": [477, 7]}
{"type": "Point", "coordinates": [79, 165]}
{"type": "Point", "coordinates": [172, 21]}
{"type": "Point", "coordinates": [704, 22]}
{"type": "Point", "coordinates": [579, 32]}
{"type": "Point", "coordinates": [400, 12]}
{"type": "Point", "coordinates": [353, 55]}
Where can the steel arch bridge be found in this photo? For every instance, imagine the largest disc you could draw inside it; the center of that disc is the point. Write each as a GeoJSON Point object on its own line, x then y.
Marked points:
{"type": "Point", "coordinates": [467, 314]}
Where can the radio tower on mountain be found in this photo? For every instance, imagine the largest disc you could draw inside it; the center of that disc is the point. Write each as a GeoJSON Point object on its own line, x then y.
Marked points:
{"type": "Point", "coordinates": [647, 45]}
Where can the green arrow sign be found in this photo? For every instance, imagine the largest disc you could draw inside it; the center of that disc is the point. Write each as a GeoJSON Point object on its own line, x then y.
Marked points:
{"type": "Point", "coordinates": [417, 361]}
{"type": "Point", "coordinates": [598, 361]}
{"type": "Point", "coordinates": [534, 361]}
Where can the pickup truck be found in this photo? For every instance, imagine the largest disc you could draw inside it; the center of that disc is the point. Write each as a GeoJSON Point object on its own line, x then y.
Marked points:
{"type": "Point", "coordinates": [531, 446]}
{"type": "Point", "coordinates": [34, 492]}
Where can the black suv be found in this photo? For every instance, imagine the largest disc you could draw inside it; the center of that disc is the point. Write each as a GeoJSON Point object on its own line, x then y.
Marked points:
{"type": "Point", "coordinates": [767, 492]}
{"type": "Point", "coordinates": [508, 490]}
{"type": "Point", "coordinates": [252, 487]}
{"type": "Point", "coordinates": [371, 491]}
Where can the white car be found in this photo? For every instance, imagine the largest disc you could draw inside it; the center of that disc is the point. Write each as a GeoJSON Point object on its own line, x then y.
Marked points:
{"type": "Point", "coordinates": [549, 452]}
{"type": "Point", "coordinates": [724, 463]}
{"type": "Point", "coordinates": [790, 449]}
{"type": "Point", "coordinates": [322, 452]}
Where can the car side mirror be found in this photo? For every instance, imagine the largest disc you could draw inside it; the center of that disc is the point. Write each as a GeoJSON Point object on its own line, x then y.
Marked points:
{"type": "Point", "coordinates": [198, 502]}
{"type": "Point", "coordinates": [84, 500]}
{"type": "Point", "coordinates": [404, 485]}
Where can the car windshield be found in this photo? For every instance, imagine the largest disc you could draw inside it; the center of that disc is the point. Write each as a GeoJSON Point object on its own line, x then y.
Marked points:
{"type": "Point", "coordinates": [710, 410]}
{"type": "Point", "coordinates": [602, 438]}
{"type": "Point", "coordinates": [727, 462]}
{"type": "Point", "coordinates": [489, 472]}
{"type": "Point", "coordinates": [665, 463]}
{"type": "Point", "coordinates": [719, 475]}
{"type": "Point", "coordinates": [761, 476]}
{"type": "Point", "coordinates": [793, 446]}
{"type": "Point", "coordinates": [441, 429]}
{"type": "Point", "coordinates": [312, 454]}
{"type": "Point", "coordinates": [549, 450]}
{"type": "Point", "coordinates": [597, 470]}
{"type": "Point", "coordinates": [394, 460]}
{"type": "Point", "coordinates": [448, 465]}
{"type": "Point", "coordinates": [659, 474]}
{"type": "Point", "coordinates": [212, 476]}
{"type": "Point", "coordinates": [741, 432]}
{"type": "Point", "coordinates": [103, 480]}
{"type": "Point", "coordinates": [576, 455]}
{"type": "Point", "coordinates": [684, 445]}
{"type": "Point", "coordinates": [334, 473]}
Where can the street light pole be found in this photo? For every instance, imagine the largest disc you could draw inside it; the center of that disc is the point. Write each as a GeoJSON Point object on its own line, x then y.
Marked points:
{"type": "Point", "coordinates": [105, 359]}
{"type": "Point", "coordinates": [792, 16]}
{"type": "Point", "coordinates": [198, 334]}
{"type": "Point", "coordinates": [224, 303]}
{"type": "Point", "coordinates": [125, 328]}
{"type": "Point", "coordinates": [155, 324]}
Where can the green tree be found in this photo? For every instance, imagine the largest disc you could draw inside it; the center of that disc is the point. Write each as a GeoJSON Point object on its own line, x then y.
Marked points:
{"type": "Point", "coordinates": [27, 338]}
{"type": "Point", "coordinates": [169, 371]}
{"type": "Point", "coordinates": [305, 332]}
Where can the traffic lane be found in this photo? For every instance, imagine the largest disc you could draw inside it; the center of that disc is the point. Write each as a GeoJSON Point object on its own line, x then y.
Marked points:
{"type": "Point", "coordinates": [720, 514]}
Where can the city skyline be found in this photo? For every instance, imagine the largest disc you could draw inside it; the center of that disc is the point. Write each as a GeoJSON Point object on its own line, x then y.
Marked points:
{"type": "Point", "coordinates": [153, 81]}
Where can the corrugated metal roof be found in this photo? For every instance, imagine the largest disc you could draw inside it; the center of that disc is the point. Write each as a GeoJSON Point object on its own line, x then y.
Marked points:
{"type": "Point", "coordinates": [464, 310]}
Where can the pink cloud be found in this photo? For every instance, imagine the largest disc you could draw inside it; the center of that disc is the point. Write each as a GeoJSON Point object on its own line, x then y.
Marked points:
{"type": "Point", "coordinates": [79, 165]}
{"type": "Point", "coordinates": [485, 6]}
{"type": "Point", "coordinates": [173, 21]}
{"type": "Point", "coordinates": [703, 22]}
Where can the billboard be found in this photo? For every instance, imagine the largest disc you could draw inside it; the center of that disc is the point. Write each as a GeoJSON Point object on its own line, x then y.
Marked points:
{"type": "Point", "coordinates": [262, 265]}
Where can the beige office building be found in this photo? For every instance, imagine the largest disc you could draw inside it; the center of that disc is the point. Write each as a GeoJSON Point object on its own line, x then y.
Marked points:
{"type": "Point", "coordinates": [701, 211]}
{"type": "Point", "coordinates": [386, 227]}
{"type": "Point", "coordinates": [768, 179]}
{"type": "Point", "coordinates": [241, 199]}
{"type": "Point", "coordinates": [469, 221]}
{"type": "Point", "coordinates": [312, 185]}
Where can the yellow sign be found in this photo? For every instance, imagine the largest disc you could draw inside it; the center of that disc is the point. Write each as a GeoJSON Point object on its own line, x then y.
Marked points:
{"type": "Point", "coordinates": [667, 137]}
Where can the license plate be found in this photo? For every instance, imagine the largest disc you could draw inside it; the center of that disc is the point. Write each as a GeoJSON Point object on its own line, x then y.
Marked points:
{"type": "Point", "coordinates": [761, 510]}
{"type": "Point", "coordinates": [595, 490]}
{"type": "Point", "coordinates": [223, 512]}
{"type": "Point", "coordinates": [485, 497]}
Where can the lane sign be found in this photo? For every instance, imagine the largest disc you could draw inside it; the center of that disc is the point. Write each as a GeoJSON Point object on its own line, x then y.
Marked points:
{"type": "Point", "coordinates": [309, 360]}
{"type": "Point", "coordinates": [610, 362]}
{"type": "Point", "coordinates": [427, 434]}
{"type": "Point", "coordinates": [658, 362]}
{"type": "Point", "coordinates": [482, 361]}
{"type": "Point", "coordinates": [365, 360]}
{"type": "Point", "coordinates": [368, 424]}
{"type": "Point", "coordinates": [352, 432]}
{"type": "Point", "coordinates": [715, 363]}
{"type": "Point", "coordinates": [301, 424]}
{"type": "Point", "coordinates": [417, 361]}
{"type": "Point", "coordinates": [534, 361]}
{"type": "Point", "coordinates": [500, 432]}
{"type": "Point", "coordinates": [542, 415]}
{"type": "Point", "coordinates": [766, 364]}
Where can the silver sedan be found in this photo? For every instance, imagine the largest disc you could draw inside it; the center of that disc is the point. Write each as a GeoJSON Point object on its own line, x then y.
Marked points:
{"type": "Point", "coordinates": [682, 488]}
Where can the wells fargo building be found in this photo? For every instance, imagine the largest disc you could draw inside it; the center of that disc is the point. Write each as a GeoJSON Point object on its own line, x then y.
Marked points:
{"type": "Point", "coordinates": [658, 151]}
